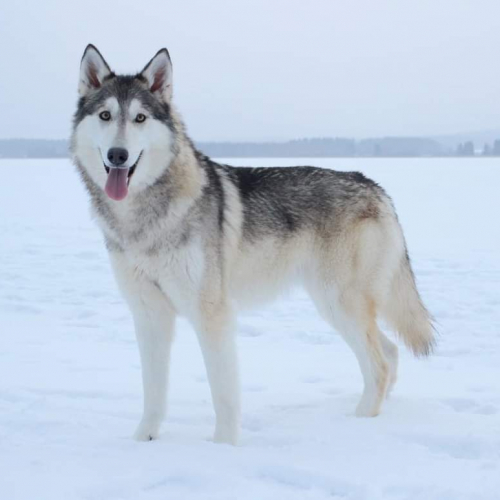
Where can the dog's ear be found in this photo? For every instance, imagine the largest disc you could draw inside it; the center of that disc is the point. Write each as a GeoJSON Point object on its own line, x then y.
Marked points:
{"type": "Point", "coordinates": [93, 70]}
{"type": "Point", "coordinates": [158, 75]}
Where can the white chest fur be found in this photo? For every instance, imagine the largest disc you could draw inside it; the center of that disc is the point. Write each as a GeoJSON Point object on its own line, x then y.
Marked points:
{"type": "Point", "coordinates": [178, 272]}
{"type": "Point", "coordinates": [161, 255]}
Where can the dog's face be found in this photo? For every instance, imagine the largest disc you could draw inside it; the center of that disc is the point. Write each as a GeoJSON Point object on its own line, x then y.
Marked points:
{"type": "Point", "coordinates": [123, 134]}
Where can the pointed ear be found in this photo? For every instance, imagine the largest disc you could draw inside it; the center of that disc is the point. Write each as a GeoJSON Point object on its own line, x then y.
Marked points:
{"type": "Point", "coordinates": [158, 75]}
{"type": "Point", "coordinates": [93, 70]}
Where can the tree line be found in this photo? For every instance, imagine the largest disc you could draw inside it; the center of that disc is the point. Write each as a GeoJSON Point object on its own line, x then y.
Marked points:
{"type": "Point", "coordinates": [467, 149]}
{"type": "Point", "coordinates": [315, 147]}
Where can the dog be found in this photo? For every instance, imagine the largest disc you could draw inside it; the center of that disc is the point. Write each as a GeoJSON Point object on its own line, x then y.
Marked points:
{"type": "Point", "coordinates": [189, 236]}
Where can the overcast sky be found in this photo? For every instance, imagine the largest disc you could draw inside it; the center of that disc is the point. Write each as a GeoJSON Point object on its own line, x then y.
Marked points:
{"type": "Point", "coordinates": [257, 70]}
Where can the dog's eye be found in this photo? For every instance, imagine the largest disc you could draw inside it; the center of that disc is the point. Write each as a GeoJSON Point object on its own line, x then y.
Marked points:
{"type": "Point", "coordinates": [105, 115]}
{"type": "Point", "coordinates": [140, 118]}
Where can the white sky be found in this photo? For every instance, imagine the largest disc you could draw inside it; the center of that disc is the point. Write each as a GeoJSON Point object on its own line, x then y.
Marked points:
{"type": "Point", "coordinates": [255, 70]}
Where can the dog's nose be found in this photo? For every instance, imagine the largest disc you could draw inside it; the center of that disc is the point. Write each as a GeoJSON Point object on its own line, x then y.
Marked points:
{"type": "Point", "coordinates": [117, 156]}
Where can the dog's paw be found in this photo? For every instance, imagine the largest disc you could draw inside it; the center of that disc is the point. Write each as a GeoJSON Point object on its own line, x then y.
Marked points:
{"type": "Point", "coordinates": [146, 432]}
{"type": "Point", "coordinates": [226, 436]}
{"type": "Point", "coordinates": [144, 436]}
{"type": "Point", "coordinates": [367, 409]}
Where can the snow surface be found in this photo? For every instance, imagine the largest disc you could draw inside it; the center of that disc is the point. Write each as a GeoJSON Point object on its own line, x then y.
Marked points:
{"type": "Point", "coordinates": [70, 389]}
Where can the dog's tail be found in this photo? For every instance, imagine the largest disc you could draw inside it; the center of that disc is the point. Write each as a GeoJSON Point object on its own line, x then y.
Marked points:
{"type": "Point", "coordinates": [406, 313]}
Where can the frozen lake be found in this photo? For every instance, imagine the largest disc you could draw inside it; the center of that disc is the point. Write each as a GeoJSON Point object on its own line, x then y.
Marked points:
{"type": "Point", "coordinates": [70, 388]}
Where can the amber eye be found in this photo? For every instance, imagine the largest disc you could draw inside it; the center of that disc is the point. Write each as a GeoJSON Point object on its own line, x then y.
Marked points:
{"type": "Point", "coordinates": [140, 118]}
{"type": "Point", "coordinates": [105, 115]}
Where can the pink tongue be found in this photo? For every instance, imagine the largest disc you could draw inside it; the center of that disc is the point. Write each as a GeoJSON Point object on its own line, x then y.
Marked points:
{"type": "Point", "coordinates": [116, 185]}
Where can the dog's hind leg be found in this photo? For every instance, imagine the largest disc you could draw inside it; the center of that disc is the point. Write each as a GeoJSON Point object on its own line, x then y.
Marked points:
{"type": "Point", "coordinates": [216, 334]}
{"type": "Point", "coordinates": [354, 318]}
{"type": "Point", "coordinates": [363, 336]}
{"type": "Point", "coordinates": [154, 320]}
{"type": "Point", "coordinates": [391, 353]}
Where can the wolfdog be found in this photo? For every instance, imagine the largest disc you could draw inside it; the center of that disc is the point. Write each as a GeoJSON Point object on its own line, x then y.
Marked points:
{"type": "Point", "coordinates": [189, 236]}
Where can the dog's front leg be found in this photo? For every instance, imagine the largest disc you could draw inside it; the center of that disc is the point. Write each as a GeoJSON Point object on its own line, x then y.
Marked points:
{"type": "Point", "coordinates": [154, 320]}
{"type": "Point", "coordinates": [216, 334]}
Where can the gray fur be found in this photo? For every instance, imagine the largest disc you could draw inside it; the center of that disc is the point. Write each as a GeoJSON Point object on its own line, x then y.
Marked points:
{"type": "Point", "coordinates": [275, 200]}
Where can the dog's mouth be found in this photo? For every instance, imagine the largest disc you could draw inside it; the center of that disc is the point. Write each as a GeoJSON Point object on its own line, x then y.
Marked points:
{"type": "Point", "coordinates": [118, 180]}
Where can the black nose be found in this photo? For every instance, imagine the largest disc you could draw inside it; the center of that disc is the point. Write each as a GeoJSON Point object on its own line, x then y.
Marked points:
{"type": "Point", "coordinates": [117, 156]}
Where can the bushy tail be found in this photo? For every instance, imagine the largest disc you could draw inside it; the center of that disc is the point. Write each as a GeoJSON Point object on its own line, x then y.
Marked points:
{"type": "Point", "coordinates": [406, 313]}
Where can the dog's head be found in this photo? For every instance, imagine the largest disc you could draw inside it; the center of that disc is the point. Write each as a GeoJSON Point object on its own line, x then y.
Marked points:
{"type": "Point", "coordinates": [123, 133]}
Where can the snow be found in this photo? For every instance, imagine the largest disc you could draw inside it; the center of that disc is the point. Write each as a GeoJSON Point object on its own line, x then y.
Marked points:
{"type": "Point", "coordinates": [70, 389]}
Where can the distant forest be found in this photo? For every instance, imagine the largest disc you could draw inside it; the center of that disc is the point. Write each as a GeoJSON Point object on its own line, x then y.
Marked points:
{"type": "Point", "coordinates": [320, 147]}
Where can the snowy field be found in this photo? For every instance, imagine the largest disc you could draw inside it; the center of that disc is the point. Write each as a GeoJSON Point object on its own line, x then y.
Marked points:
{"type": "Point", "coordinates": [70, 388]}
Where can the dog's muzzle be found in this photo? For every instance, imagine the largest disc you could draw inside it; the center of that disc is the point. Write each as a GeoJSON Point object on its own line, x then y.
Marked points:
{"type": "Point", "coordinates": [118, 179]}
